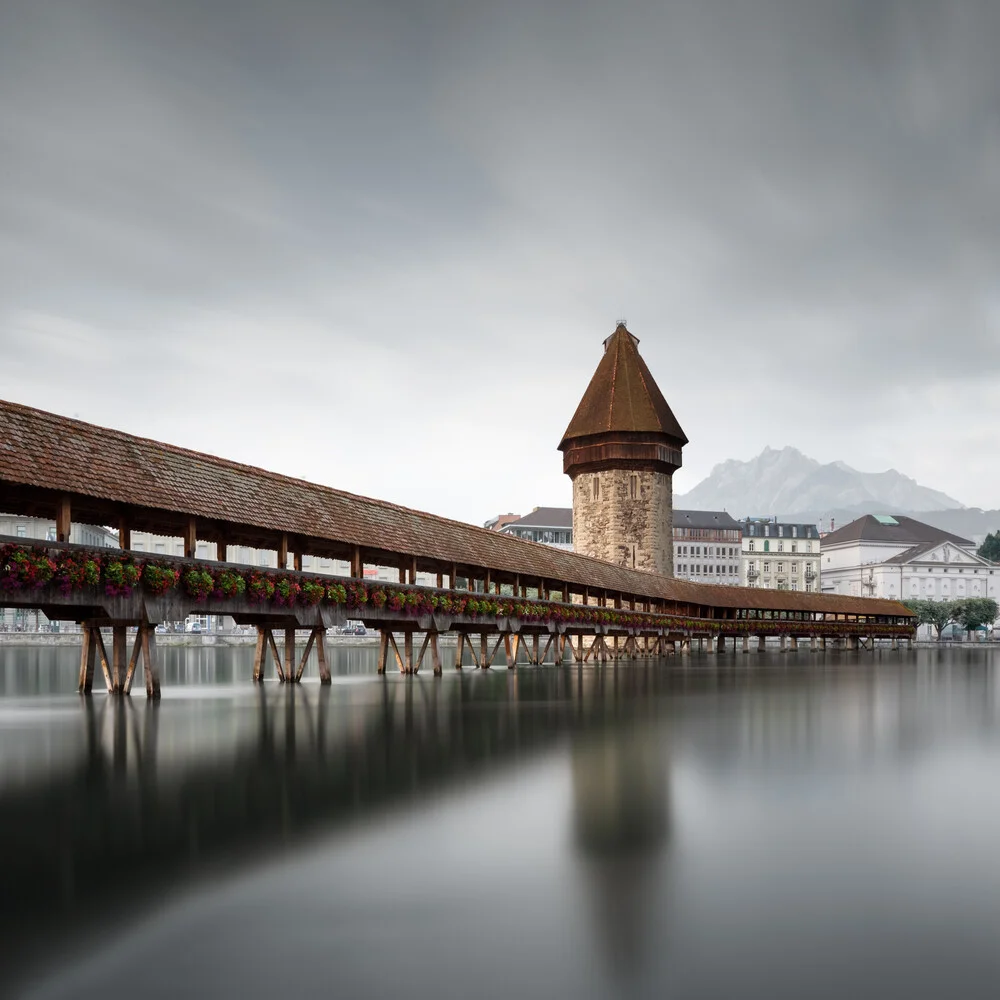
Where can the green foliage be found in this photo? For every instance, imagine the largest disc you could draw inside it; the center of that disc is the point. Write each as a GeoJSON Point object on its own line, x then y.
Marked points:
{"type": "Point", "coordinates": [969, 613]}
{"type": "Point", "coordinates": [936, 613]}
{"type": "Point", "coordinates": [975, 611]}
{"type": "Point", "coordinates": [990, 549]}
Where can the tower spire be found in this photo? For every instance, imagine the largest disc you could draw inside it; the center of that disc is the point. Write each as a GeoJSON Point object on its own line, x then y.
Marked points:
{"type": "Point", "coordinates": [621, 450]}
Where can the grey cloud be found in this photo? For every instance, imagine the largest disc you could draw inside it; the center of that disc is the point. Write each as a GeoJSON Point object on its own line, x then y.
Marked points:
{"type": "Point", "coordinates": [472, 194]}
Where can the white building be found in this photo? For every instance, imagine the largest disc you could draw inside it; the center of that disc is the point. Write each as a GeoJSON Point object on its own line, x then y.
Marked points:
{"type": "Point", "coordinates": [780, 556]}
{"type": "Point", "coordinates": [897, 557]}
{"type": "Point", "coordinates": [42, 529]}
{"type": "Point", "coordinates": [707, 547]}
{"type": "Point", "coordinates": [548, 525]}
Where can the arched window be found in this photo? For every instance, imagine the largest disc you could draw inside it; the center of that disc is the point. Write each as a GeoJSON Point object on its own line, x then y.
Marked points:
{"type": "Point", "coordinates": [767, 546]}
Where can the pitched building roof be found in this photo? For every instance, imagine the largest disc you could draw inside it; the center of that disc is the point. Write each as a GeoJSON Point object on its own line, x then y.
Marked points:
{"type": "Point", "coordinates": [623, 396]}
{"type": "Point", "coordinates": [705, 519]}
{"type": "Point", "coordinates": [896, 528]}
{"type": "Point", "coordinates": [545, 517]}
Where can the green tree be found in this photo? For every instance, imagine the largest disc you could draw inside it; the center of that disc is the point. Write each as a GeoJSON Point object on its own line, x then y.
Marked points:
{"type": "Point", "coordinates": [936, 613]}
{"type": "Point", "coordinates": [975, 611]}
{"type": "Point", "coordinates": [990, 549]}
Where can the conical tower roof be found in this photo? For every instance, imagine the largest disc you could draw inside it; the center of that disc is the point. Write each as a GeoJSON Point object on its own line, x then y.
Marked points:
{"type": "Point", "coordinates": [623, 397]}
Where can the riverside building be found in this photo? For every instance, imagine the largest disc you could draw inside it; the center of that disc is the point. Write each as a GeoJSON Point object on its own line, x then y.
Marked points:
{"type": "Point", "coordinates": [707, 547]}
{"type": "Point", "coordinates": [779, 556]}
{"type": "Point", "coordinates": [891, 555]}
{"type": "Point", "coordinates": [548, 525]}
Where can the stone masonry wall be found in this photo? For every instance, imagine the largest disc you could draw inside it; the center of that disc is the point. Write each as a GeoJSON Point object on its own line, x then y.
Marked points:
{"type": "Point", "coordinates": [627, 519]}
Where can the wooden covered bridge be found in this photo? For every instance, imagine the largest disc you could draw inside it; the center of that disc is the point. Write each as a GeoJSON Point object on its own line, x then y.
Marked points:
{"type": "Point", "coordinates": [493, 590]}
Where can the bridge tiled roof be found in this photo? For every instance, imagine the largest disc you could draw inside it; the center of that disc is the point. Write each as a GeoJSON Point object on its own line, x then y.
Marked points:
{"type": "Point", "coordinates": [157, 484]}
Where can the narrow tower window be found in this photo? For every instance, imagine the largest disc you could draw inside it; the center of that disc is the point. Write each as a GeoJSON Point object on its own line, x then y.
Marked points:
{"type": "Point", "coordinates": [633, 486]}
{"type": "Point", "coordinates": [597, 488]}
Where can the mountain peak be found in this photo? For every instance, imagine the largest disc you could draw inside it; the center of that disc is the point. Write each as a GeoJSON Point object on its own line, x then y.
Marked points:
{"type": "Point", "coordinates": [787, 481]}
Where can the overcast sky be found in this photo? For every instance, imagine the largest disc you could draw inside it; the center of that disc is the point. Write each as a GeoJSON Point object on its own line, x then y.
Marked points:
{"type": "Point", "coordinates": [378, 245]}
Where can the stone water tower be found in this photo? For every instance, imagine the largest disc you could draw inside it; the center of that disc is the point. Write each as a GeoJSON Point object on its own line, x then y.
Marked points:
{"type": "Point", "coordinates": [621, 450]}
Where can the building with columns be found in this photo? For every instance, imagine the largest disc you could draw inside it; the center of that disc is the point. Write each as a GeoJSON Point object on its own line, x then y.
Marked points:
{"type": "Point", "coordinates": [894, 556]}
{"type": "Point", "coordinates": [620, 451]}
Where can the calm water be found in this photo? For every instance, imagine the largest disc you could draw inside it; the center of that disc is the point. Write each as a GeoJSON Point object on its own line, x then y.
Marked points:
{"type": "Point", "coordinates": [781, 826]}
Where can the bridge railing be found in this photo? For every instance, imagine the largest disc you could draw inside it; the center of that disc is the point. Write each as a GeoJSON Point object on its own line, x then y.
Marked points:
{"type": "Point", "coordinates": [74, 582]}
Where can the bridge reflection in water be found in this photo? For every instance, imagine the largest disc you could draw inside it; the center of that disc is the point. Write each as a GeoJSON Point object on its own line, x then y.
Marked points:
{"type": "Point", "coordinates": [126, 801]}
{"type": "Point", "coordinates": [591, 831]}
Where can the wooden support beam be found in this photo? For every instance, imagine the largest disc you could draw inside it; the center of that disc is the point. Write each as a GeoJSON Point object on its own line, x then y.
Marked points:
{"type": "Point", "coordinates": [459, 647]}
{"type": "Point", "coordinates": [509, 643]}
{"type": "Point", "coordinates": [413, 571]}
{"type": "Point", "coordinates": [357, 566]}
{"type": "Point", "coordinates": [290, 655]}
{"type": "Point", "coordinates": [220, 551]}
{"type": "Point", "coordinates": [402, 573]}
{"type": "Point", "coordinates": [124, 534]}
{"type": "Point", "coordinates": [133, 660]}
{"type": "Point", "coordinates": [545, 651]}
{"type": "Point", "coordinates": [283, 551]}
{"type": "Point", "coordinates": [395, 650]}
{"type": "Point", "coordinates": [88, 656]}
{"type": "Point", "coordinates": [119, 637]}
{"type": "Point", "coordinates": [423, 649]}
{"type": "Point", "coordinates": [408, 650]}
{"type": "Point", "coordinates": [297, 561]}
{"type": "Point", "coordinates": [103, 653]}
{"type": "Point", "coordinates": [472, 651]}
{"type": "Point", "coordinates": [383, 650]}
{"type": "Point", "coordinates": [190, 538]}
{"type": "Point", "coordinates": [324, 667]}
{"type": "Point", "coordinates": [534, 649]}
{"type": "Point", "coordinates": [435, 654]}
{"type": "Point", "coordinates": [440, 581]}
{"type": "Point", "coordinates": [274, 652]}
{"type": "Point", "coordinates": [259, 655]}
{"type": "Point", "coordinates": [150, 670]}
{"type": "Point", "coordinates": [496, 649]}
{"type": "Point", "coordinates": [305, 655]}
{"type": "Point", "coordinates": [63, 521]}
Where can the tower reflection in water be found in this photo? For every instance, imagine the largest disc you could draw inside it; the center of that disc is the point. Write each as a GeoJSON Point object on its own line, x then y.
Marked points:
{"type": "Point", "coordinates": [622, 827]}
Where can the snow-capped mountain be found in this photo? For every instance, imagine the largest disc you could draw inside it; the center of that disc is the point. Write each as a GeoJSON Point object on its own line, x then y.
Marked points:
{"type": "Point", "coordinates": [788, 482]}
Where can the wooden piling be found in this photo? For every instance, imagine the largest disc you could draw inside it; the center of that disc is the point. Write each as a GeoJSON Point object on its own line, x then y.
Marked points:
{"type": "Point", "coordinates": [150, 669]}
{"type": "Point", "coordinates": [259, 654]}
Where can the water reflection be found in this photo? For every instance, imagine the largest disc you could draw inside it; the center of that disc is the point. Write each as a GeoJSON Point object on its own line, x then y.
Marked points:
{"type": "Point", "coordinates": [708, 814]}
{"type": "Point", "coordinates": [621, 820]}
